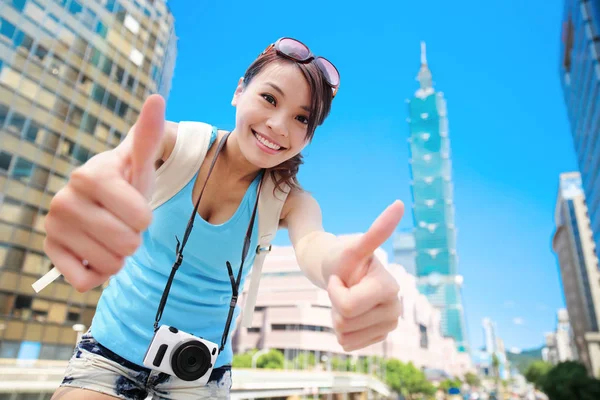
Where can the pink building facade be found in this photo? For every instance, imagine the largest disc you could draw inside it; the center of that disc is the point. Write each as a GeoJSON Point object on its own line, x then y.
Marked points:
{"type": "Point", "coordinates": [294, 316]}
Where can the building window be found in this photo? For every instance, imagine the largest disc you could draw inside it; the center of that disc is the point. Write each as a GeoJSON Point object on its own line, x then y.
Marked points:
{"type": "Point", "coordinates": [6, 303]}
{"type": "Point", "coordinates": [567, 38]}
{"type": "Point", "coordinates": [6, 29]}
{"type": "Point", "coordinates": [88, 123]}
{"type": "Point", "coordinates": [74, 7]}
{"type": "Point", "coordinates": [5, 159]}
{"type": "Point", "coordinates": [423, 342]}
{"type": "Point", "coordinates": [74, 314]}
{"type": "Point", "coordinates": [9, 349]}
{"type": "Point", "coordinates": [300, 327]}
{"type": "Point", "coordinates": [22, 307]}
{"type": "Point", "coordinates": [19, 4]}
{"type": "Point", "coordinates": [101, 29]}
{"type": "Point", "coordinates": [22, 169]}
{"type": "Point", "coordinates": [81, 154]}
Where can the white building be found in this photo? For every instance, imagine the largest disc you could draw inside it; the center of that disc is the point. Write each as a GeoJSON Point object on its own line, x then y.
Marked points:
{"type": "Point", "coordinates": [580, 276]}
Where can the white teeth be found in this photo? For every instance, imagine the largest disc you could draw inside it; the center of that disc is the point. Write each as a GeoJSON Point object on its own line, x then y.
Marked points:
{"type": "Point", "coordinates": [267, 143]}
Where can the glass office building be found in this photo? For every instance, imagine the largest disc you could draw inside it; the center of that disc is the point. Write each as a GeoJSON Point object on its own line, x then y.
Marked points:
{"type": "Point", "coordinates": [73, 77]}
{"type": "Point", "coordinates": [433, 208]}
{"type": "Point", "coordinates": [580, 79]}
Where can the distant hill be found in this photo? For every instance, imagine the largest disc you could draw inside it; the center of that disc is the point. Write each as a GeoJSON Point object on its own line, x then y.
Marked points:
{"type": "Point", "coordinates": [522, 360]}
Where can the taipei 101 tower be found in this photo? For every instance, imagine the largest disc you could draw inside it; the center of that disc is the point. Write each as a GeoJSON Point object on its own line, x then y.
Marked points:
{"type": "Point", "coordinates": [433, 205]}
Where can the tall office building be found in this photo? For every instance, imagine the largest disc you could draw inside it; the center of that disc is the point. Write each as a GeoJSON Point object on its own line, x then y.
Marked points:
{"type": "Point", "coordinates": [560, 344]}
{"type": "Point", "coordinates": [73, 77]}
{"type": "Point", "coordinates": [580, 78]}
{"type": "Point", "coordinates": [489, 334]}
{"type": "Point", "coordinates": [574, 247]}
{"type": "Point", "coordinates": [405, 252]}
{"type": "Point", "coordinates": [433, 208]}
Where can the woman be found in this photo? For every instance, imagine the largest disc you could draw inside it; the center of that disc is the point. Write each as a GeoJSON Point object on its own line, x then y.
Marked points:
{"type": "Point", "coordinates": [100, 226]}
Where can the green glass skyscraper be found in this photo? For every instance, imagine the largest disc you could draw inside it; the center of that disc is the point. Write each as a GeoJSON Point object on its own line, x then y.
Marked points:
{"type": "Point", "coordinates": [433, 207]}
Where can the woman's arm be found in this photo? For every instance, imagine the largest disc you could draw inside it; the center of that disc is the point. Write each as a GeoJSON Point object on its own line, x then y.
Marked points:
{"type": "Point", "coordinates": [301, 215]}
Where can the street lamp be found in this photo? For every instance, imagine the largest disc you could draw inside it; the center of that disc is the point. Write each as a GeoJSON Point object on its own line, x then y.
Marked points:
{"type": "Point", "coordinates": [256, 355]}
{"type": "Point", "coordinates": [79, 328]}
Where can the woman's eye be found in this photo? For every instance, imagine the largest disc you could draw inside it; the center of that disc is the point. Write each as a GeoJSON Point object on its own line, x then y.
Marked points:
{"type": "Point", "coordinates": [269, 98]}
{"type": "Point", "coordinates": [302, 119]}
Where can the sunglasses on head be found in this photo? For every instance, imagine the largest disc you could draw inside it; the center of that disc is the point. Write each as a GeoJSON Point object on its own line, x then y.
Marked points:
{"type": "Point", "coordinates": [299, 52]}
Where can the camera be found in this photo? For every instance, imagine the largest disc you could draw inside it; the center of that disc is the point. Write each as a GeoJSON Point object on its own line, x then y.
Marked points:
{"type": "Point", "coordinates": [180, 354]}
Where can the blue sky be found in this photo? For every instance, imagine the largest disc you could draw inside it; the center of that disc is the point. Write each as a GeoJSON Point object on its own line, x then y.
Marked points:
{"type": "Point", "coordinates": [497, 64]}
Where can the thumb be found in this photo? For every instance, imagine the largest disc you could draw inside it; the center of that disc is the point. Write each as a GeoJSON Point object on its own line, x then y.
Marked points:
{"type": "Point", "coordinates": [147, 140]}
{"type": "Point", "coordinates": [380, 231]}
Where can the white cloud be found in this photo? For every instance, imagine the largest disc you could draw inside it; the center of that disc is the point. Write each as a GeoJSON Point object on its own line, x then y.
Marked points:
{"type": "Point", "coordinates": [518, 321]}
{"type": "Point", "coordinates": [515, 350]}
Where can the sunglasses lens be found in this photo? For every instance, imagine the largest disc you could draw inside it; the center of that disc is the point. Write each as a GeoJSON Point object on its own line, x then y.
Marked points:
{"type": "Point", "coordinates": [294, 49]}
{"type": "Point", "coordinates": [329, 70]}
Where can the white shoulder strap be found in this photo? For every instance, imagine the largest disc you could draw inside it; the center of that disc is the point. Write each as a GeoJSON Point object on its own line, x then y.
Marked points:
{"type": "Point", "coordinates": [270, 205]}
{"type": "Point", "coordinates": [190, 149]}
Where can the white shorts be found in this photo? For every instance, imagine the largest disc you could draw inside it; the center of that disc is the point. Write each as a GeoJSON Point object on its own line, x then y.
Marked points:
{"type": "Point", "coordinates": [94, 367]}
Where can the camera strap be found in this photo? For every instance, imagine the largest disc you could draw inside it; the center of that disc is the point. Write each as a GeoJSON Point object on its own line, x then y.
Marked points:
{"type": "Point", "coordinates": [235, 283]}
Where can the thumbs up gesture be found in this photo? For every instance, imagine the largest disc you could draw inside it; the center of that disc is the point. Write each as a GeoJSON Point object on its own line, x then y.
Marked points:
{"type": "Point", "coordinates": [97, 218]}
{"type": "Point", "coordinates": [363, 294]}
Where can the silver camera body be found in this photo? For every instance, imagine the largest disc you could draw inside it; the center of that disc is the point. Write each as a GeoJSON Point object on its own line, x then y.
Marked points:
{"type": "Point", "coordinates": [180, 354]}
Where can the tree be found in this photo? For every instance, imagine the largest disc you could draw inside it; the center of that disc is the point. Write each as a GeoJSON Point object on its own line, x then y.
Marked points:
{"type": "Point", "coordinates": [445, 385]}
{"type": "Point", "coordinates": [569, 381]}
{"type": "Point", "coordinates": [536, 373]}
{"type": "Point", "coordinates": [243, 360]}
{"type": "Point", "coordinates": [274, 359]}
{"type": "Point", "coordinates": [495, 365]}
{"type": "Point", "coordinates": [305, 360]}
{"type": "Point", "coordinates": [407, 380]}
{"type": "Point", "coordinates": [472, 379]}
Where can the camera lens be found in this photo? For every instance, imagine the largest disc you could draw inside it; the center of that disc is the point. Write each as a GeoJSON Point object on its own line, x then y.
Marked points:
{"type": "Point", "coordinates": [191, 360]}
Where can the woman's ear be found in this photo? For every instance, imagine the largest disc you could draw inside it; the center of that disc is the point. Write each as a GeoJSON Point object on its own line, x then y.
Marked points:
{"type": "Point", "coordinates": [238, 91]}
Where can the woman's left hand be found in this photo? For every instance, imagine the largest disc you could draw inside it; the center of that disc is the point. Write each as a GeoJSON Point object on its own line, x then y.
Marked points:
{"type": "Point", "coordinates": [364, 295]}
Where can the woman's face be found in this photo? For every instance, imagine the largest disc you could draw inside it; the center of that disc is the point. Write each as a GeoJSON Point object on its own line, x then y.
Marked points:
{"type": "Point", "coordinates": [272, 115]}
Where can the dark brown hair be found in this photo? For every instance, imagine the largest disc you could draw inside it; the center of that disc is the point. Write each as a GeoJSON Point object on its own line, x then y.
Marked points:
{"type": "Point", "coordinates": [321, 95]}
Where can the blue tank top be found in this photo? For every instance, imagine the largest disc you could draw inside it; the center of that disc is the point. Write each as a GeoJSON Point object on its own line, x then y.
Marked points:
{"type": "Point", "coordinates": [200, 295]}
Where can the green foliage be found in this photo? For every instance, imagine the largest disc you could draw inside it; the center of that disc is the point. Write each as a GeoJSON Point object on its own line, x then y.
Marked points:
{"type": "Point", "coordinates": [305, 361]}
{"type": "Point", "coordinates": [569, 381]}
{"type": "Point", "coordinates": [450, 383]}
{"type": "Point", "coordinates": [524, 359]}
{"type": "Point", "coordinates": [536, 372]}
{"type": "Point", "coordinates": [406, 379]}
{"type": "Point", "coordinates": [243, 360]}
{"type": "Point", "coordinates": [472, 379]}
{"type": "Point", "coordinates": [274, 359]}
{"type": "Point", "coordinates": [495, 361]}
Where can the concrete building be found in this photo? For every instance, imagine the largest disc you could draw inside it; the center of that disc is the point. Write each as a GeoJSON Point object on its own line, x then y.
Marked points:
{"type": "Point", "coordinates": [489, 334]}
{"type": "Point", "coordinates": [294, 316]}
{"type": "Point", "coordinates": [575, 250]}
{"type": "Point", "coordinates": [560, 344]}
{"type": "Point", "coordinates": [494, 347]}
{"type": "Point", "coordinates": [73, 77]}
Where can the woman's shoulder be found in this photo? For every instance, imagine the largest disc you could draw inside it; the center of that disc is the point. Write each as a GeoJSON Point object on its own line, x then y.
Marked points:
{"type": "Point", "coordinates": [297, 199]}
{"type": "Point", "coordinates": [170, 138]}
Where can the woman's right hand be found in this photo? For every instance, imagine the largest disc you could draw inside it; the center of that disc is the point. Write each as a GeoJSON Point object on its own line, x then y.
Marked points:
{"type": "Point", "coordinates": [97, 218]}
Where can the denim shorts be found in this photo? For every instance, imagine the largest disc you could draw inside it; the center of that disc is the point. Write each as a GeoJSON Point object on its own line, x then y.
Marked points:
{"type": "Point", "coordinates": [94, 367]}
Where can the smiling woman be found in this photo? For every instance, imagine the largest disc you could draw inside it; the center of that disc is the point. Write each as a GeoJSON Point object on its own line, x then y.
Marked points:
{"type": "Point", "coordinates": [102, 225]}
